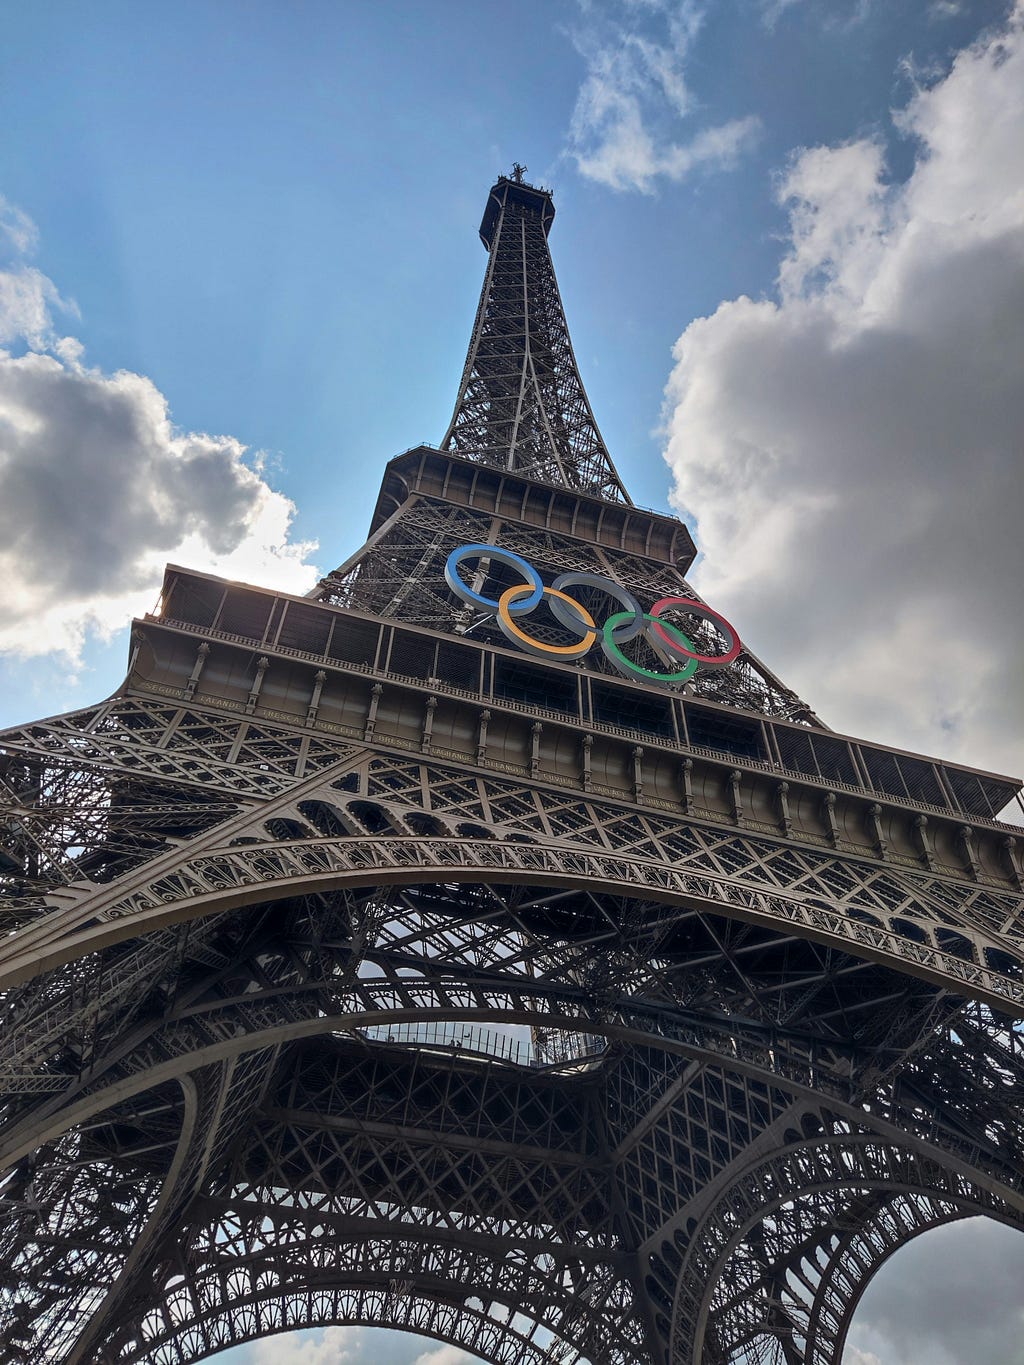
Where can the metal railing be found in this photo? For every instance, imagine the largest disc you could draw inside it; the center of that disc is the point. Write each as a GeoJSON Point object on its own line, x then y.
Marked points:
{"type": "Point", "coordinates": [476, 1040]}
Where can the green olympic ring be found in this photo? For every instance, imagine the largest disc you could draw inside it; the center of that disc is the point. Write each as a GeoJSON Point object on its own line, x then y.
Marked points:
{"type": "Point", "coordinates": [618, 660]}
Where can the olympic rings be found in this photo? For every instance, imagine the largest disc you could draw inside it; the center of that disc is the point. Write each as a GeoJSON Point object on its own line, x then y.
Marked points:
{"type": "Point", "coordinates": [512, 632]}
{"type": "Point", "coordinates": [669, 643]}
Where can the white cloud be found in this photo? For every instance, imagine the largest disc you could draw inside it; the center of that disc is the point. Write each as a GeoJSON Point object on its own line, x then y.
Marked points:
{"type": "Point", "coordinates": [346, 1346]}
{"type": "Point", "coordinates": [855, 1356]}
{"type": "Point", "coordinates": [328, 1347]}
{"type": "Point", "coordinates": [17, 227]}
{"type": "Point", "coordinates": [98, 488]}
{"type": "Point", "coordinates": [26, 297]}
{"type": "Point", "coordinates": [626, 121]}
{"type": "Point", "coordinates": [950, 1296]}
{"type": "Point", "coordinates": [841, 15]}
{"type": "Point", "coordinates": [853, 448]}
{"type": "Point", "coordinates": [773, 10]}
{"type": "Point", "coordinates": [945, 9]}
{"type": "Point", "coordinates": [444, 1355]}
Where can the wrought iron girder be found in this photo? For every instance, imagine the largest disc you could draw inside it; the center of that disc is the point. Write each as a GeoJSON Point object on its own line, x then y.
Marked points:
{"type": "Point", "coordinates": [138, 1144]}
{"type": "Point", "coordinates": [68, 1229]}
{"type": "Point", "coordinates": [757, 1050]}
{"type": "Point", "coordinates": [226, 878]}
{"type": "Point", "coordinates": [166, 742]}
{"type": "Point", "coordinates": [791, 1201]}
{"type": "Point", "coordinates": [497, 1308]}
{"type": "Point", "coordinates": [407, 983]}
{"type": "Point", "coordinates": [475, 1109]}
{"type": "Point", "coordinates": [399, 576]}
{"type": "Point", "coordinates": [521, 403]}
{"type": "Point", "coordinates": [278, 1145]}
{"type": "Point", "coordinates": [853, 1255]}
{"type": "Point", "coordinates": [287, 1178]}
{"type": "Point", "coordinates": [553, 973]}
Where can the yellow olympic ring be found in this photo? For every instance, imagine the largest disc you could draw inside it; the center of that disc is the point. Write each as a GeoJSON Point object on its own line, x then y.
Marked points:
{"type": "Point", "coordinates": [510, 627]}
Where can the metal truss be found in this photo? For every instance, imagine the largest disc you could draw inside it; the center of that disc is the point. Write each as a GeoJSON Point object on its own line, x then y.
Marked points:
{"type": "Point", "coordinates": [335, 995]}
{"type": "Point", "coordinates": [425, 531]}
{"type": "Point", "coordinates": [521, 404]}
{"type": "Point", "coordinates": [260, 1034]}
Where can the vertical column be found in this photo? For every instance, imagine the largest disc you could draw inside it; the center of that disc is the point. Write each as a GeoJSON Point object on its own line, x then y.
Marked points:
{"type": "Point", "coordinates": [428, 724]}
{"type": "Point", "coordinates": [262, 664]}
{"type": "Point", "coordinates": [877, 833]}
{"type": "Point", "coordinates": [686, 783]}
{"type": "Point", "coordinates": [376, 692]}
{"type": "Point", "coordinates": [202, 654]}
{"type": "Point", "coordinates": [782, 805]}
{"type": "Point", "coordinates": [536, 730]}
{"type": "Point", "coordinates": [585, 748]}
{"type": "Point", "coordinates": [924, 842]}
{"type": "Point", "coordinates": [481, 737]}
{"type": "Point", "coordinates": [319, 678]}
{"type": "Point", "coordinates": [735, 795]}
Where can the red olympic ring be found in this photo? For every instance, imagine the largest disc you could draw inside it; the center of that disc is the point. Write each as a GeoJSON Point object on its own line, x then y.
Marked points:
{"type": "Point", "coordinates": [709, 614]}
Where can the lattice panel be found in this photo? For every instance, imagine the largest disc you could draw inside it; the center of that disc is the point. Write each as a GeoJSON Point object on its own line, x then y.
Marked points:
{"type": "Point", "coordinates": [401, 578]}
{"type": "Point", "coordinates": [756, 1262]}
{"type": "Point", "coordinates": [521, 403]}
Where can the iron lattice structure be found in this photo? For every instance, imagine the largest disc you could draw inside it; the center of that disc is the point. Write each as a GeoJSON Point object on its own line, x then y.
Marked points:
{"type": "Point", "coordinates": [359, 968]}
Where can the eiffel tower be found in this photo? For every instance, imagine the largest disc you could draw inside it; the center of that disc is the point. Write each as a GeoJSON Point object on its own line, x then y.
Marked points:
{"type": "Point", "coordinates": [488, 944]}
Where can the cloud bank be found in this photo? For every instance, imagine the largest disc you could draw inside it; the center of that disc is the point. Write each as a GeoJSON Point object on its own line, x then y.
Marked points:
{"type": "Point", "coordinates": [627, 123]}
{"type": "Point", "coordinates": [347, 1346]}
{"type": "Point", "coordinates": [98, 488]}
{"type": "Point", "coordinates": [445, 1355]}
{"type": "Point", "coordinates": [852, 448]}
{"type": "Point", "coordinates": [949, 1297]}
{"type": "Point", "coordinates": [330, 1346]}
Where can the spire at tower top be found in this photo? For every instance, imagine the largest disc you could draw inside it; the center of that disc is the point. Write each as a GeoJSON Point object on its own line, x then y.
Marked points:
{"type": "Point", "coordinates": [514, 190]}
{"type": "Point", "coordinates": [521, 404]}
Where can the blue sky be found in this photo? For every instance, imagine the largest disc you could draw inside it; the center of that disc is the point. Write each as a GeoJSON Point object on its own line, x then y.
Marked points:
{"type": "Point", "coordinates": [239, 265]}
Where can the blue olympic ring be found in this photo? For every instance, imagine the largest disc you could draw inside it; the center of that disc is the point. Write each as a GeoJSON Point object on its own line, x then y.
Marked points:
{"type": "Point", "coordinates": [506, 557]}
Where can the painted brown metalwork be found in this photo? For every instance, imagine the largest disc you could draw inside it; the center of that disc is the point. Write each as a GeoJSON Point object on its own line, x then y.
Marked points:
{"type": "Point", "coordinates": [359, 968]}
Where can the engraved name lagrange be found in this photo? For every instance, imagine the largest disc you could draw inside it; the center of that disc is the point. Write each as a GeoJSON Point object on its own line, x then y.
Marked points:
{"type": "Point", "coordinates": [447, 953]}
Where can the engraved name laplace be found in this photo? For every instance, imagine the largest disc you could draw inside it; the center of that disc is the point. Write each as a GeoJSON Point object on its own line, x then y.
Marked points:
{"type": "Point", "coordinates": [669, 643]}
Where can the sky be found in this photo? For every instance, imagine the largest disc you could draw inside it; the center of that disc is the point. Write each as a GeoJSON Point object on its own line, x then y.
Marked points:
{"type": "Point", "coordinates": [238, 272]}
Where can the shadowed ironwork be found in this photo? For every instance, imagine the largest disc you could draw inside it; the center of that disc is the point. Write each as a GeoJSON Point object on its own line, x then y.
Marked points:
{"type": "Point", "coordinates": [358, 968]}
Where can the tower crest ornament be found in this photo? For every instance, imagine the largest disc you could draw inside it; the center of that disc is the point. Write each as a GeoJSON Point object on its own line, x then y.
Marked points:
{"type": "Point", "coordinates": [489, 944]}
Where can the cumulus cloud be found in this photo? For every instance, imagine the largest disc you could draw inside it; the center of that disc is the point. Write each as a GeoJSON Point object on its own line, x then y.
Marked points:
{"type": "Point", "coordinates": [852, 448]}
{"type": "Point", "coordinates": [100, 489]}
{"type": "Point", "coordinates": [855, 1356]}
{"type": "Point", "coordinates": [635, 99]}
{"type": "Point", "coordinates": [952, 1295]}
{"type": "Point", "coordinates": [331, 1346]}
{"type": "Point", "coordinates": [346, 1346]}
{"type": "Point", "coordinates": [445, 1355]}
